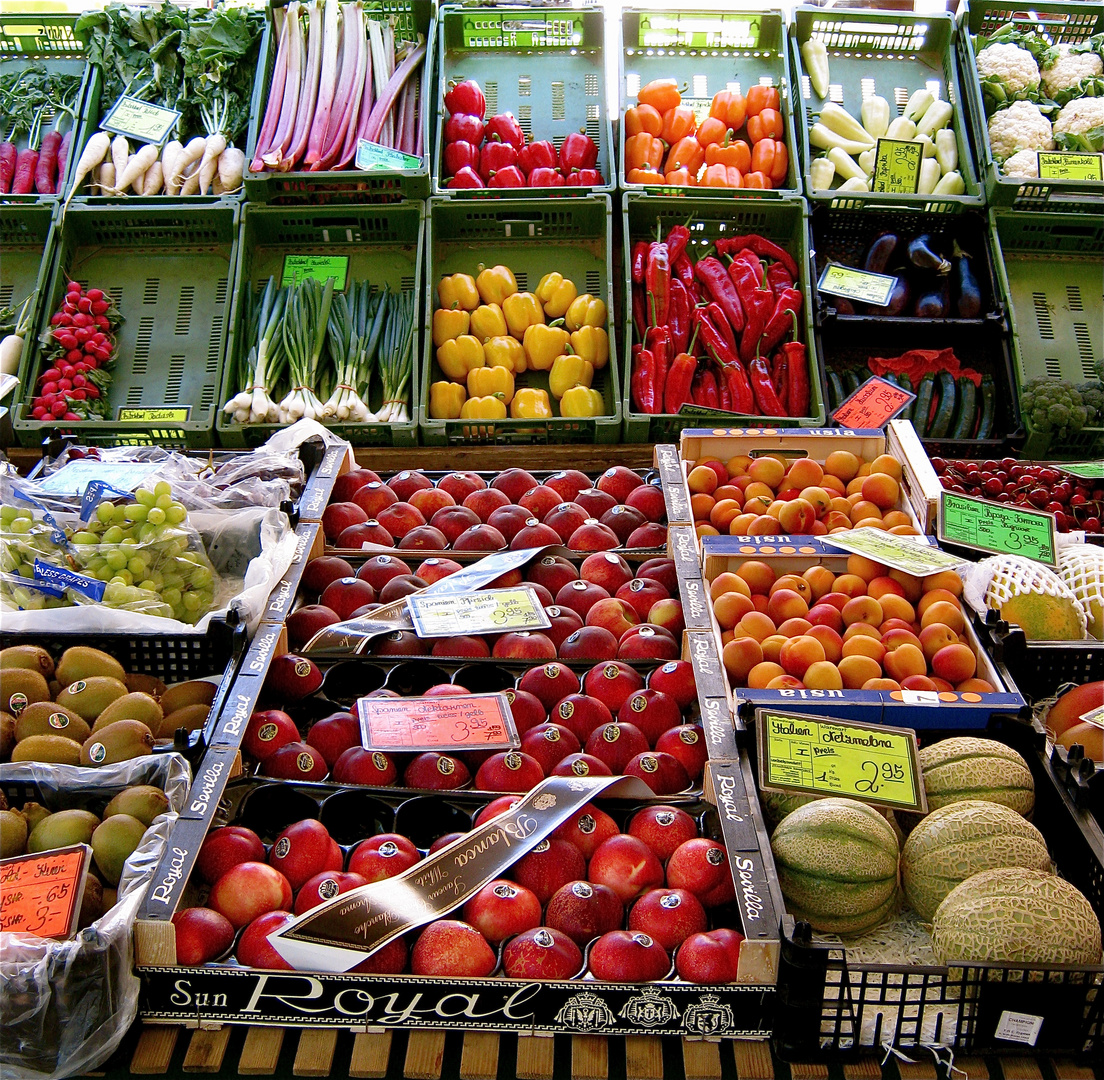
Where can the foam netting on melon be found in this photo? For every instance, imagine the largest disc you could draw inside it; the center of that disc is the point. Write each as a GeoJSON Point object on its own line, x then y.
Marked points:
{"type": "Point", "coordinates": [994, 581]}
{"type": "Point", "coordinates": [1081, 568]}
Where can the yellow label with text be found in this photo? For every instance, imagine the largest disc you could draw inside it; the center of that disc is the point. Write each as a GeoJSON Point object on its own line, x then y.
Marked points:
{"type": "Point", "coordinates": [491, 611]}
{"type": "Point", "coordinates": [855, 284]}
{"type": "Point", "coordinates": [141, 120]}
{"type": "Point", "coordinates": [897, 166]}
{"type": "Point", "coordinates": [900, 552]}
{"type": "Point", "coordinates": [153, 416]}
{"type": "Point", "coordinates": [1057, 165]}
{"type": "Point", "coordinates": [868, 762]}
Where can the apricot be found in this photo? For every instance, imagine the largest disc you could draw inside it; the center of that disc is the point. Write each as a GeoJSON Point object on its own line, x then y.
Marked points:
{"type": "Point", "coordinates": [888, 464]}
{"type": "Point", "coordinates": [823, 675]}
{"type": "Point", "coordinates": [884, 585]}
{"type": "Point", "coordinates": [785, 682]}
{"type": "Point", "coordinates": [760, 601]}
{"type": "Point", "coordinates": [797, 517]}
{"type": "Point", "coordinates": [870, 523]}
{"type": "Point", "coordinates": [918, 682]}
{"type": "Point", "coordinates": [739, 526]}
{"type": "Point", "coordinates": [820, 580]}
{"type": "Point", "coordinates": [864, 609]}
{"type": "Point", "coordinates": [864, 470]}
{"type": "Point", "coordinates": [758, 624]}
{"type": "Point", "coordinates": [730, 608]}
{"type": "Point", "coordinates": [703, 528]}
{"type": "Point", "coordinates": [904, 661]}
{"type": "Point", "coordinates": [895, 518]}
{"type": "Point", "coordinates": [759, 576]}
{"type": "Point", "coordinates": [818, 498]}
{"type": "Point", "coordinates": [832, 484]}
{"type": "Point", "coordinates": [899, 624]}
{"type": "Point", "coordinates": [763, 525]}
{"type": "Point", "coordinates": [840, 505]}
{"type": "Point", "coordinates": [794, 627]}
{"type": "Point", "coordinates": [835, 598]}
{"type": "Point", "coordinates": [864, 509]}
{"type": "Point", "coordinates": [762, 673]}
{"type": "Point", "coordinates": [826, 615]}
{"type": "Point", "coordinates": [804, 473]}
{"type": "Point", "coordinates": [729, 491]}
{"type": "Point", "coordinates": [909, 583]}
{"type": "Point", "coordinates": [702, 480]}
{"type": "Point", "coordinates": [842, 464]}
{"type": "Point", "coordinates": [758, 490]}
{"type": "Point", "coordinates": [727, 582]}
{"type": "Point", "coordinates": [936, 596]}
{"type": "Point", "coordinates": [768, 471]}
{"type": "Point", "coordinates": [742, 481]}
{"type": "Point", "coordinates": [955, 663]}
{"type": "Point", "coordinates": [849, 585]}
{"type": "Point", "coordinates": [864, 629]}
{"type": "Point", "coordinates": [724, 513]}
{"type": "Point", "coordinates": [717, 466]}
{"type": "Point", "coordinates": [856, 669]}
{"type": "Point", "coordinates": [882, 490]}
{"type": "Point", "coordinates": [898, 637]}
{"type": "Point", "coordinates": [862, 645]}
{"type": "Point", "coordinates": [902, 530]}
{"type": "Point", "coordinates": [897, 607]}
{"type": "Point", "coordinates": [867, 569]}
{"type": "Point", "coordinates": [945, 579]}
{"type": "Point", "coordinates": [795, 584]}
{"type": "Point", "coordinates": [757, 504]}
{"type": "Point", "coordinates": [941, 684]}
{"type": "Point", "coordinates": [701, 505]}
{"type": "Point", "coordinates": [737, 465]}
{"type": "Point", "coordinates": [942, 612]}
{"type": "Point", "coordinates": [854, 488]}
{"type": "Point", "coordinates": [835, 521]}
{"type": "Point", "coordinates": [934, 637]}
{"type": "Point", "coordinates": [739, 656]}
{"type": "Point", "coordinates": [976, 686]}
{"type": "Point", "coordinates": [818, 529]}
{"type": "Point", "coordinates": [881, 684]}
{"type": "Point", "coordinates": [799, 654]}
{"type": "Point", "coordinates": [829, 640]}
{"type": "Point", "coordinates": [772, 647]}
{"type": "Point", "coordinates": [775, 509]}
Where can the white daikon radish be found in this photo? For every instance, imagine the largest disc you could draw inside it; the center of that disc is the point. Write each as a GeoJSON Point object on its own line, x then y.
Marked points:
{"type": "Point", "coordinates": [120, 155]}
{"type": "Point", "coordinates": [107, 178]}
{"type": "Point", "coordinates": [136, 168]}
{"type": "Point", "coordinates": [151, 182]}
{"type": "Point", "coordinates": [231, 168]}
{"type": "Point", "coordinates": [208, 165]}
{"type": "Point", "coordinates": [190, 154]}
{"type": "Point", "coordinates": [94, 152]}
{"type": "Point", "coordinates": [191, 180]}
{"type": "Point", "coordinates": [168, 158]}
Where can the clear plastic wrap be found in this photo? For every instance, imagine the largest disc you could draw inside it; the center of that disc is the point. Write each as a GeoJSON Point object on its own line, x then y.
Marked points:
{"type": "Point", "coordinates": [66, 1005]}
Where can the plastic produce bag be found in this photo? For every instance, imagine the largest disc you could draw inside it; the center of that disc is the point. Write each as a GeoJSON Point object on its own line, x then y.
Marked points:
{"type": "Point", "coordinates": [66, 1005]}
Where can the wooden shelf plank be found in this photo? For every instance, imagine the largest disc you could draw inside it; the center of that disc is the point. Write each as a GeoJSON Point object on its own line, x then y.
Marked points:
{"type": "Point", "coordinates": [206, 1049]}
{"type": "Point", "coordinates": [261, 1052]}
{"type": "Point", "coordinates": [535, 1057]}
{"type": "Point", "coordinates": [154, 1049]}
{"type": "Point", "coordinates": [371, 1052]}
{"type": "Point", "coordinates": [425, 1054]}
{"type": "Point", "coordinates": [643, 1057]}
{"type": "Point", "coordinates": [753, 1059]}
{"type": "Point", "coordinates": [701, 1060]}
{"type": "Point", "coordinates": [589, 1057]}
{"type": "Point", "coordinates": [479, 1058]}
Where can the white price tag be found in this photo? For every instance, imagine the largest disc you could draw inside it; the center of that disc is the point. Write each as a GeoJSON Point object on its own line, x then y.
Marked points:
{"type": "Point", "coordinates": [1019, 1027]}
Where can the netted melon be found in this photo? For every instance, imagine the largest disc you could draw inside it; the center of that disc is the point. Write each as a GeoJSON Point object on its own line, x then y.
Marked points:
{"type": "Point", "coordinates": [960, 840]}
{"type": "Point", "coordinates": [777, 804]}
{"type": "Point", "coordinates": [969, 768]}
{"type": "Point", "coordinates": [1035, 599]}
{"type": "Point", "coordinates": [837, 865]}
{"type": "Point", "coordinates": [1081, 567]}
{"type": "Point", "coordinates": [1016, 916]}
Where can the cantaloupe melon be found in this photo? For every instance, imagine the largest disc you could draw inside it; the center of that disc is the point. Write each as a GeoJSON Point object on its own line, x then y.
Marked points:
{"type": "Point", "coordinates": [1016, 916]}
{"type": "Point", "coordinates": [837, 865]}
{"type": "Point", "coordinates": [1081, 567]}
{"type": "Point", "coordinates": [1035, 599]}
{"type": "Point", "coordinates": [969, 768]}
{"type": "Point", "coordinates": [777, 804]}
{"type": "Point", "coordinates": [960, 840]}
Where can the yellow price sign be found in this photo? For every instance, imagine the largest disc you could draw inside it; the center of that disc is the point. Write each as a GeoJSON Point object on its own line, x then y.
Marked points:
{"type": "Point", "coordinates": [897, 166]}
{"type": "Point", "coordinates": [164, 415]}
{"type": "Point", "coordinates": [1058, 165]}
{"type": "Point", "coordinates": [140, 120]}
{"type": "Point", "coordinates": [817, 756]}
{"type": "Point", "coordinates": [491, 611]}
{"type": "Point", "coordinates": [903, 553]}
{"type": "Point", "coordinates": [862, 285]}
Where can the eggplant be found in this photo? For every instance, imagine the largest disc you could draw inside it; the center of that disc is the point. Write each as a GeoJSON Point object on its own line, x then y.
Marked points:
{"type": "Point", "coordinates": [922, 254]}
{"type": "Point", "coordinates": [878, 254]}
{"type": "Point", "coordinates": [898, 299]}
{"type": "Point", "coordinates": [932, 303]}
{"type": "Point", "coordinates": [966, 285]}
{"type": "Point", "coordinates": [843, 305]}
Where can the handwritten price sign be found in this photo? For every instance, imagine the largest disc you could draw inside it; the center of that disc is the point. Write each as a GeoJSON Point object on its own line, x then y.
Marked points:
{"type": "Point", "coordinates": [873, 405]}
{"type": "Point", "coordinates": [491, 611]}
{"type": "Point", "coordinates": [41, 894]}
{"type": "Point", "coordinates": [816, 756]}
{"type": "Point", "coordinates": [897, 166]}
{"type": "Point", "coordinates": [476, 721]}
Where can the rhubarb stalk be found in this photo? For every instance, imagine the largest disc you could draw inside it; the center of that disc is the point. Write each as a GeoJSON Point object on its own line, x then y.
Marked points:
{"type": "Point", "coordinates": [275, 92]}
{"type": "Point", "coordinates": [282, 137]}
{"type": "Point", "coordinates": [327, 84]}
{"type": "Point", "coordinates": [397, 81]}
{"type": "Point", "coordinates": [353, 67]}
{"type": "Point", "coordinates": [308, 94]}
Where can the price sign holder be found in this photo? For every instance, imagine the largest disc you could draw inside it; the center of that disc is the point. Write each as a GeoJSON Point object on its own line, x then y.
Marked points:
{"type": "Point", "coordinates": [492, 611]}
{"type": "Point", "coordinates": [897, 166]}
{"type": "Point", "coordinates": [140, 120]}
{"type": "Point", "coordinates": [41, 894]}
{"type": "Point", "coordinates": [862, 285]}
{"type": "Point", "coordinates": [1094, 717]}
{"type": "Point", "coordinates": [316, 267]}
{"type": "Point", "coordinates": [167, 414]}
{"type": "Point", "coordinates": [370, 155]}
{"type": "Point", "coordinates": [1059, 165]}
{"type": "Point", "coordinates": [873, 405]}
{"type": "Point", "coordinates": [1085, 470]}
{"type": "Point", "coordinates": [997, 528]}
{"type": "Point", "coordinates": [471, 722]}
{"type": "Point", "coordinates": [900, 552]}
{"type": "Point", "coordinates": [813, 755]}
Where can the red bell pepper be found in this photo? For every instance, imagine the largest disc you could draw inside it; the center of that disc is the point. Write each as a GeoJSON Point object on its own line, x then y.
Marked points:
{"type": "Point", "coordinates": [584, 178]}
{"type": "Point", "coordinates": [496, 156]}
{"type": "Point", "coordinates": [578, 151]}
{"type": "Point", "coordinates": [510, 177]}
{"type": "Point", "coordinates": [504, 128]}
{"type": "Point", "coordinates": [537, 155]}
{"type": "Point", "coordinates": [464, 127]}
{"type": "Point", "coordinates": [466, 97]}
{"type": "Point", "coordinates": [542, 176]}
{"type": "Point", "coordinates": [797, 378]}
{"type": "Point", "coordinates": [460, 154]}
{"type": "Point", "coordinates": [466, 177]}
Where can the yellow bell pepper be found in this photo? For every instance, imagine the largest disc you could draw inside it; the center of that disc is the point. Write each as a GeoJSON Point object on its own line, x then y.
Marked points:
{"type": "Point", "coordinates": [491, 407]}
{"type": "Point", "coordinates": [531, 404]}
{"type": "Point", "coordinates": [458, 356]}
{"type": "Point", "coordinates": [505, 352]}
{"type": "Point", "coordinates": [446, 400]}
{"type": "Point", "coordinates": [522, 310]}
{"type": "Point", "coordinates": [557, 294]}
{"type": "Point", "coordinates": [581, 401]}
{"type": "Point", "coordinates": [496, 284]}
{"type": "Point", "coordinates": [585, 310]}
{"type": "Point", "coordinates": [567, 371]}
{"type": "Point", "coordinates": [592, 343]}
{"type": "Point", "coordinates": [487, 321]}
{"type": "Point", "coordinates": [458, 291]}
{"type": "Point", "coordinates": [543, 344]}
{"type": "Point", "coordinates": [491, 381]}
{"type": "Point", "coordinates": [449, 323]}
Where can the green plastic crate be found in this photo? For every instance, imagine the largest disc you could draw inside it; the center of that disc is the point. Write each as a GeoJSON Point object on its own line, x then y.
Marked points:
{"type": "Point", "coordinates": [168, 269]}
{"type": "Point", "coordinates": [383, 244]}
{"type": "Point", "coordinates": [1062, 22]}
{"type": "Point", "coordinates": [708, 52]}
{"type": "Point", "coordinates": [27, 243]}
{"type": "Point", "coordinates": [412, 18]}
{"type": "Point", "coordinates": [533, 237]}
{"type": "Point", "coordinates": [783, 221]}
{"type": "Point", "coordinates": [49, 40]}
{"type": "Point", "coordinates": [891, 53]}
{"type": "Point", "coordinates": [1049, 268]}
{"type": "Point", "coordinates": [545, 66]}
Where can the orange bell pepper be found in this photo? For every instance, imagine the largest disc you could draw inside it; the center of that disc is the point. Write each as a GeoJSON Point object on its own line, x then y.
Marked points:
{"type": "Point", "coordinates": [643, 151]}
{"type": "Point", "coordinates": [661, 94]}
{"type": "Point", "coordinates": [677, 124]}
{"type": "Point", "coordinates": [767, 125]}
{"type": "Point", "coordinates": [757, 180]}
{"type": "Point", "coordinates": [643, 176]}
{"type": "Point", "coordinates": [769, 156]}
{"type": "Point", "coordinates": [762, 97]}
{"type": "Point", "coordinates": [711, 130]}
{"type": "Point", "coordinates": [680, 178]}
{"type": "Point", "coordinates": [643, 118]}
{"type": "Point", "coordinates": [729, 106]}
{"type": "Point", "coordinates": [686, 153]}
{"type": "Point", "coordinates": [726, 176]}
{"type": "Point", "coordinates": [735, 152]}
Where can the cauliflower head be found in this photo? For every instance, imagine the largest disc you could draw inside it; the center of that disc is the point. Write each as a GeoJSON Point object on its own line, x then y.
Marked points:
{"type": "Point", "coordinates": [1019, 127]}
{"type": "Point", "coordinates": [1023, 163]}
{"type": "Point", "coordinates": [1080, 126]}
{"type": "Point", "coordinates": [1054, 406]}
{"type": "Point", "coordinates": [1064, 69]}
{"type": "Point", "coordinates": [1007, 70]}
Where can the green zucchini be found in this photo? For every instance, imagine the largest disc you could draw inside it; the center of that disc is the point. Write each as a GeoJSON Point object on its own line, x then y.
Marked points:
{"type": "Point", "coordinates": [966, 414]}
{"type": "Point", "coordinates": [905, 383]}
{"type": "Point", "coordinates": [851, 381]}
{"type": "Point", "coordinates": [922, 405]}
{"type": "Point", "coordinates": [891, 378]}
{"type": "Point", "coordinates": [988, 407]}
{"type": "Point", "coordinates": [941, 422]}
{"type": "Point", "coordinates": [835, 391]}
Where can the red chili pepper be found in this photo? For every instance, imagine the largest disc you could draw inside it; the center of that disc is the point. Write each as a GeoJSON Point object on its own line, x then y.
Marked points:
{"type": "Point", "coordinates": [716, 282]}
{"type": "Point", "coordinates": [717, 348]}
{"type": "Point", "coordinates": [758, 308]}
{"type": "Point", "coordinates": [537, 155]}
{"type": "Point", "coordinates": [639, 260]}
{"type": "Point", "coordinates": [464, 127]}
{"type": "Point", "coordinates": [752, 260]}
{"type": "Point", "coordinates": [578, 151]}
{"type": "Point", "coordinates": [736, 380]}
{"type": "Point", "coordinates": [680, 379]}
{"type": "Point", "coordinates": [717, 317]}
{"type": "Point", "coordinates": [778, 375]}
{"type": "Point", "coordinates": [504, 128]}
{"type": "Point", "coordinates": [643, 380]}
{"type": "Point", "coordinates": [584, 178]}
{"type": "Point", "coordinates": [657, 275]}
{"type": "Point", "coordinates": [797, 378]}
{"type": "Point", "coordinates": [639, 311]}
{"type": "Point", "coordinates": [544, 177]}
{"type": "Point", "coordinates": [782, 321]}
{"type": "Point", "coordinates": [678, 316]}
{"type": "Point", "coordinates": [778, 277]}
{"type": "Point", "coordinates": [460, 154]}
{"type": "Point", "coordinates": [467, 178]}
{"type": "Point", "coordinates": [677, 239]}
{"type": "Point", "coordinates": [725, 393]}
{"type": "Point", "coordinates": [466, 97]}
{"type": "Point", "coordinates": [658, 343]}
{"type": "Point", "coordinates": [684, 271]}
{"type": "Point", "coordinates": [766, 400]}
{"type": "Point", "coordinates": [729, 245]}
{"type": "Point", "coordinates": [496, 156]}
{"type": "Point", "coordinates": [710, 397]}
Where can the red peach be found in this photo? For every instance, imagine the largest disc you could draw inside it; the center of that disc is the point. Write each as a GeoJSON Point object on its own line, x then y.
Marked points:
{"type": "Point", "coordinates": [626, 865]}
{"type": "Point", "coordinates": [454, 949]}
{"type": "Point", "coordinates": [584, 911]}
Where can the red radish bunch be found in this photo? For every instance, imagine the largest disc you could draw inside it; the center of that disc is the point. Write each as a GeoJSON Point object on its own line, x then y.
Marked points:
{"type": "Point", "coordinates": [80, 350]}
